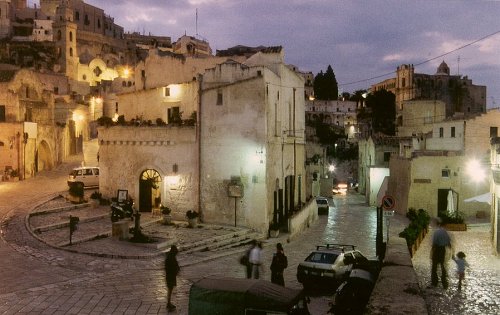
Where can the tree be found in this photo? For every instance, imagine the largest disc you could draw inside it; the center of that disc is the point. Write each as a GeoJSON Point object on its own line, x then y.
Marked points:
{"type": "Point", "coordinates": [325, 85]}
{"type": "Point", "coordinates": [383, 107]}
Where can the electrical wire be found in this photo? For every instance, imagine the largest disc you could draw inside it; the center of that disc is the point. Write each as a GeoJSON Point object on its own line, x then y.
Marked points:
{"type": "Point", "coordinates": [425, 61]}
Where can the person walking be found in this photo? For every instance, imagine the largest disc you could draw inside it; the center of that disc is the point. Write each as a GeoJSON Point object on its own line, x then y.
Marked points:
{"type": "Point", "coordinates": [278, 265]}
{"type": "Point", "coordinates": [441, 242]}
{"type": "Point", "coordinates": [245, 259]}
{"type": "Point", "coordinates": [255, 260]}
{"type": "Point", "coordinates": [171, 271]}
{"type": "Point", "coordinates": [461, 264]}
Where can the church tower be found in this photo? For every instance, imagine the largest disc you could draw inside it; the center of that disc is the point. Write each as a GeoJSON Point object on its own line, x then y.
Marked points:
{"type": "Point", "coordinates": [65, 39]}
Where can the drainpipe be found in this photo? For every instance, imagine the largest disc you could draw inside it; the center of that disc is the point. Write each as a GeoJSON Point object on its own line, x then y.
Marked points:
{"type": "Point", "coordinates": [198, 138]}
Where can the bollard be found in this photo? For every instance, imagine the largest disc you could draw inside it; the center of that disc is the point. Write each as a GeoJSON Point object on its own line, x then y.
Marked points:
{"type": "Point", "coordinates": [73, 226]}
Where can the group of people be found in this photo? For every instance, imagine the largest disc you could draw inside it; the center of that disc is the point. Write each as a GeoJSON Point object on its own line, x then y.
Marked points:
{"type": "Point", "coordinates": [441, 246]}
{"type": "Point", "coordinates": [252, 260]}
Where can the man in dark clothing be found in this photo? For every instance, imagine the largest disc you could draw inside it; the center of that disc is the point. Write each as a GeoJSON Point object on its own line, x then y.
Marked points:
{"type": "Point", "coordinates": [440, 242]}
{"type": "Point", "coordinates": [171, 270]}
{"type": "Point", "coordinates": [278, 265]}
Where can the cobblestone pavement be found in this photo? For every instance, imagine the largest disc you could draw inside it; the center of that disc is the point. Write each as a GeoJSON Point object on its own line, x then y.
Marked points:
{"type": "Point", "coordinates": [39, 279]}
{"type": "Point", "coordinates": [481, 292]}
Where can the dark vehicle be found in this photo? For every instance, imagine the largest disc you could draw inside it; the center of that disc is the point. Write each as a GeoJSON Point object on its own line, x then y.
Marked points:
{"type": "Point", "coordinates": [330, 264]}
{"type": "Point", "coordinates": [353, 294]}
{"type": "Point", "coordinates": [233, 296]}
{"type": "Point", "coordinates": [323, 206]}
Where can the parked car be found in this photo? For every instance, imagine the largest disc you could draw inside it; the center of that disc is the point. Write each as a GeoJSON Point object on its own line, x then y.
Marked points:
{"type": "Point", "coordinates": [330, 264]}
{"type": "Point", "coordinates": [85, 176]}
{"type": "Point", "coordinates": [232, 296]}
{"type": "Point", "coordinates": [340, 189]}
{"type": "Point", "coordinates": [353, 294]}
{"type": "Point", "coordinates": [323, 206]}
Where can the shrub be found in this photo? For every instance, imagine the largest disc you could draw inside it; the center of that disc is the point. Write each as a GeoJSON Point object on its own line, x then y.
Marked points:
{"type": "Point", "coordinates": [458, 218]}
{"type": "Point", "coordinates": [105, 121]}
{"type": "Point", "coordinates": [96, 195]}
{"type": "Point", "coordinates": [191, 214]}
{"type": "Point", "coordinates": [165, 210]}
{"type": "Point", "coordinates": [160, 122]}
{"type": "Point", "coordinates": [419, 220]}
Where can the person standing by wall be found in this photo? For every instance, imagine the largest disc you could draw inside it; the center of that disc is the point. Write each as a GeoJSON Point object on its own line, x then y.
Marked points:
{"type": "Point", "coordinates": [441, 242]}
{"type": "Point", "coordinates": [171, 271]}
{"type": "Point", "coordinates": [278, 265]}
{"type": "Point", "coordinates": [255, 259]}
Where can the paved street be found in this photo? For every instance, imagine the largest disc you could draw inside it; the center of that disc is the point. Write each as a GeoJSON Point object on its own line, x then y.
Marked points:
{"type": "Point", "coordinates": [38, 279]}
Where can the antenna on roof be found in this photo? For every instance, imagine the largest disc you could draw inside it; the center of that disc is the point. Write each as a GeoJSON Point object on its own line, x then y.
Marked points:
{"type": "Point", "coordinates": [196, 21]}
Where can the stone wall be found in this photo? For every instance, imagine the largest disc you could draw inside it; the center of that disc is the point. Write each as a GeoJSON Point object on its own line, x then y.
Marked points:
{"type": "Point", "coordinates": [396, 290]}
{"type": "Point", "coordinates": [301, 220]}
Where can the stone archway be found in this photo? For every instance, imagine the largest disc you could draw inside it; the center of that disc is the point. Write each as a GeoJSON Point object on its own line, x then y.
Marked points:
{"type": "Point", "coordinates": [149, 190]}
{"type": "Point", "coordinates": [43, 157]}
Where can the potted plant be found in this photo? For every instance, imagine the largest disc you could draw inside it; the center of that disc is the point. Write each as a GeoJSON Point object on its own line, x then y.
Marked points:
{"type": "Point", "coordinates": [192, 217]}
{"type": "Point", "coordinates": [165, 211]}
{"type": "Point", "coordinates": [95, 199]}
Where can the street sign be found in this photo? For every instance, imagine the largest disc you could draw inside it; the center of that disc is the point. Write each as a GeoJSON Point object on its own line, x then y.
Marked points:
{"type": "Point", "coordinates": [389, 213]}
{"type": "Point", "coordinates": [388, 202]}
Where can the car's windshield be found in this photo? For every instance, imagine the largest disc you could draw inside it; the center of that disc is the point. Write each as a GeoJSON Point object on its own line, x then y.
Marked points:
{"type": "Point", "coordinates": [322, 258]}
{"type": "Point", "coordinates": [322, 201]}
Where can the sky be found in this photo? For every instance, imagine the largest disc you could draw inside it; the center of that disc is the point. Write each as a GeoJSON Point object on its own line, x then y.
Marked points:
{"type": "Point", "coordinates": [363, 40]}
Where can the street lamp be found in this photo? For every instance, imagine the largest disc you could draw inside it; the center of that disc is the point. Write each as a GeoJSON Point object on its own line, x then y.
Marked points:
{"type": "Point", "coordinates": [475, 171]}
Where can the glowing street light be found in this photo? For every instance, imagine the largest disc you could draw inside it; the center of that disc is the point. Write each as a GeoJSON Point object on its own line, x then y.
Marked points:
{"type": "Point", "coordinates": [475, 171]}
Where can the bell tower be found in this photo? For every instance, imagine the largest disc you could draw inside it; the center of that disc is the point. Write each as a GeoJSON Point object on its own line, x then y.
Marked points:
{"type": "Point", "coordinates": [65, 39]}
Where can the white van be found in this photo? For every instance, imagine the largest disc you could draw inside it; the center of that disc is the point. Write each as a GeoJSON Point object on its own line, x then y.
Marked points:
{"type": "Point", "coordinates": [85, 176]}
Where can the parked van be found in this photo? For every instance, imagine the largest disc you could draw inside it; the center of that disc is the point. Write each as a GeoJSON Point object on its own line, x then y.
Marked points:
{"type": "Point", "coordinates": [233, 296]}
{"type": "Point", "coordinates": [85, 176]}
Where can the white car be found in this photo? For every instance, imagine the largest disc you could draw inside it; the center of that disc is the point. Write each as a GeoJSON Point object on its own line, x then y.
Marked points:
{"type": "Point", "coordinates": [85, 176]}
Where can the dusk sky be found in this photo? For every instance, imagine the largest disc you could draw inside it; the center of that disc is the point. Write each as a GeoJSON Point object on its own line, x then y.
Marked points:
{"type": "Point", "coordinates": [359, 39]}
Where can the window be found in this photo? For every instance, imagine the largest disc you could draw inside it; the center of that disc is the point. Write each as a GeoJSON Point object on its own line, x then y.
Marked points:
{"type": "Point", "coordinates": [453, 132]}
{"type": "Point", "coordinates": [98, 23]}
{"type": "Point", "coordinates": [77, 16]}
{"type": "Point", "coordinates": [445, 173]}
{"type": "Point", "coordinates": [387, 156]}
{"type": "Point", "coordinates": [167, 92]}
{"type": "Point", "coordinates": [493, 132]}
{"type": "Point", "coordinates": [403, 82]}
{"type": "Point", "coordinates": [71, 52]}
{"type": "Point", "coordinates": [441, 132]}
{"type": "Point", "coordinates": [70, 36]}
{"type": "Point", "coordinates": [219, 97]}
{"type": "Point", "coordinates": [59, 35]}
{"type": "Point", "coordinates": [2, 112]}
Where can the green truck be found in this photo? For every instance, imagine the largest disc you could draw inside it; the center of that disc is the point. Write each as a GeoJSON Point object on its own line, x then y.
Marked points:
{"type": "Point", "coordinates": [232, 296]}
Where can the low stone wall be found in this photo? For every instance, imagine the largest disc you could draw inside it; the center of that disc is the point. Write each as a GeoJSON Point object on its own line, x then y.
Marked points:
{"type": "Point", "coordinates": [397, 290]}
{"type": "Point", "coordinates": [303, 219]}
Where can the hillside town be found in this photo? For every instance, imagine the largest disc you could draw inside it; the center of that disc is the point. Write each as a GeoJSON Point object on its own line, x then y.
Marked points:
{"type": "Point", "coordinates": [236, 135]}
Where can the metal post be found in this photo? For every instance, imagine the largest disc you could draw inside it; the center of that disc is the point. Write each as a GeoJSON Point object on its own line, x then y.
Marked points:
{"type": "Point", "coordinates": [378, 238]}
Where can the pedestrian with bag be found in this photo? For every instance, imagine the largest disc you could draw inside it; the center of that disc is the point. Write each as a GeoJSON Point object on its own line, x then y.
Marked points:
{"type": "Point", "coordinates": [278, 265]}
{"type": "Point", "coordinates": [171, 271]}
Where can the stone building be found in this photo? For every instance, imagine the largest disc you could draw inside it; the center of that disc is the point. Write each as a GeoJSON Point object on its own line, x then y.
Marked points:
{"type": "Point", "coordinates": [442, 164]}
{"type": "Point", "coordinates": [495, 192]}
{"type": "Point", "coordinates": [38, 123]}
{"type": "Point", "coordinates": [252, 142]}
{"type": "Point", "coordinates": [418, 117]}
{"type": "Point", "coordinates": [456, 91]}
{"type": "Point", "coordinates": [177, 142]}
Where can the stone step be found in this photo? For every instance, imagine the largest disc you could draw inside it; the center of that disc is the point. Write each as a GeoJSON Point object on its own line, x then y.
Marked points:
{"type": "Point", "coordinates": [217, 244]}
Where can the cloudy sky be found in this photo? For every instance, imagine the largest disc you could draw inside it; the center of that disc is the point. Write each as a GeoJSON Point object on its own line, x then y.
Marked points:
{"type": "Point", "coordinates": [360, 39]}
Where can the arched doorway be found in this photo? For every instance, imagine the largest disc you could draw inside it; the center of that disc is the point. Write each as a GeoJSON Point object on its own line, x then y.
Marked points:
{"type": "Point", "coordinates": [43, 160]}
{"type": "Point", "coordinates": [149, 190]}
